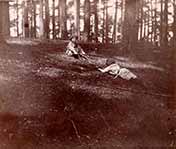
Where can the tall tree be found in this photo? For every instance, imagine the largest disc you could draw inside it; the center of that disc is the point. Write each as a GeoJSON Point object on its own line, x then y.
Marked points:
{"type": "Point", "coordinates": [148, 20]}
{"type": "Point", "coordinates": [96, 19]}
{"type": "Point", "coordinates": [130, 34]}
{"type": "Point", "coordinates": [63, 19]}
{"type": "Point", "coordinates": [122, 4]}
{"type": "Point", "coordinates": [145, 25]}
{"type": "Point", "coordinates": [87, 19]}
{"type": "Point", "coordinates": [53, 19]}
{"type": "Point", "coordinates": [41, 21]}
{"type": "Point", "coordinates": [174, 23]}
{"type": "Point", "coordinates": [161, 22]}
{"type": "Point", "coordinates": [103, 25]}
{"type": "Point", "coordinates": [106, 22]}
{"type": "Point", "coordinates": [47, 19]}
{"type": "Point", "coordinates": [141, 19]}
{"type": "Point", "coordinates": [17, 21]}
{"type": "Point", "coordinates": [165, 28]}
{"type": "Point", "coordinates": [115, 22]}
{"type": "Point", "coordinates": [155, 23]}
{"type": "Point", "coordinates": [173, 39]}
{"type": "Point", "coordinates": [33, 20]}
{"type": "Point", "coordinates": [77, 18]}
{"type": "Point", "coordinates": [58, 21]}
{"type": "Point", "coordinates": [26, 20]}
{"type": "Point", "coordinates": [151, 21]}
{"type": "Point", "coordinates": [164, 23]}
{"type": "Point", "coordinates": [4, 20]}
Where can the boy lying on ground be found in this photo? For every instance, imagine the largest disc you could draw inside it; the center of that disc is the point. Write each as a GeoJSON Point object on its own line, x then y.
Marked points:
{"type": "Point", "coordinates": [74, 49]}
{"type": "Point", "coordinates": [115, 70]}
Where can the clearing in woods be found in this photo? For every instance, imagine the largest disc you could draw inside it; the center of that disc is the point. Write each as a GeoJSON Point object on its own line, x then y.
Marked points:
{"type": "Point", "coordinates": [50, 100]}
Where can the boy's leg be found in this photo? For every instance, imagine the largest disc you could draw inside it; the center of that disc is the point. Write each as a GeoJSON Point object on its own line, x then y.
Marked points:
{"type": "Point", "coordinates": [76, 56]}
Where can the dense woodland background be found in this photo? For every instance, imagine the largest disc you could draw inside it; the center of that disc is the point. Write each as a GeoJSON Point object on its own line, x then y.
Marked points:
{"type": "Point", "coordinates": [104, 21]}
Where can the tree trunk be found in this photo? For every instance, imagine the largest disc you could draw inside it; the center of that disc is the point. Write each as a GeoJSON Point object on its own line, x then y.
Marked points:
{"type": "Point", "coordinates": [103, 25]}
{"type": "Point", "coordinates": [96, 20]}
{"type": "Point", "coordinates": [141, 19]}
{"type": "Point", "coordinates": [152, 22]}
{"type": "Point", "coordinates": [130, 36]}
{"type": "Point", "coordinates": [26, 21]}
{"type": "Point", "coordinates": [63, 19]}
{"type": "Point", "coordinates": [145, 26]}
{"type": "Point", "coordinates": [34, 19]}
{"type": "Point", "coordinates": [115, 22]}
{"type": "Point", "coordinates": [161, 24]}
{"type": "Point", "coordinates": [148, 23]}
{"type": "Point", "coordinates": [172, 41]}
{"type": "Point", "coordinates": [17, 22]}
{"type": "Point", "coordinates": [4, 21]}
{"type": "Point", "coordinates": [107, 23]}
{"type": "Point", "coordinates": [47, 19]}
{"type": "Point", "coordinates": [137, 19]}
{"type": "Point", "coordinates": [165, 31]}
{"type": "Point", "coordinates": [122, 17]}
{"type": "Point", "coordinates": [87, 19]}
{"type": "Point", "coordinates": [174, 24]}
{"type": "Point", "coordinates": [53, 19]}
{"type": "Point", "coordinates": [77, 18]}
{"type": "Point", "coordinates": [58, 21]}
{"type": "Point", "coordinates": [41, 21]}
{"type": "Point", "coordinates": [155, 24]}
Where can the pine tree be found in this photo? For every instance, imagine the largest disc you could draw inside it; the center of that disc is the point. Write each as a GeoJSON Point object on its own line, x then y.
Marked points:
{"type": "Point", "coordinates": [26, 20]}
{"type": "Point", "coordinates": [141, 19]}
{"type": "Point", "coordinates": [53, 19]}
{"type": "Point", "coordinates": [77, 18]}
{"type": "Point", "coordinates": [161, 23]}
{"type": "Point", "coordinates": [17, 21]}
{"type": "Point", "coordinates": [103, 25]}
{"type": "Point", "coordinates": [87, 19]}
{"type": "Point", "coordinates": [34, 25]}
{"type": "Point", "coordinates": [115, 22]}
{"type": "Point", "coordinates": [106, 22]}
{"type": "Point", "coordinates": [130, 34]}
{"type": "Point", "coordinates": [4, 21]}
{"type": "Point", "coordinates": [63, 19]}
{"type": "Point", "coordinates": [47, 20]}
{"type": "Point", "coordinates": [96, 19]}
{"type": "Point", "coordinates": [41, 21]}
{"type": "Point", "coordinates": [173, 42]}
{"type": "Point", "coordinates": [165, 28]}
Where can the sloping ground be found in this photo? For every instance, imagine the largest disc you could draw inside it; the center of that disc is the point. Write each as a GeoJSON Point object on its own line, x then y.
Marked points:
{"type": "Point", "coordinates": [49, 100]}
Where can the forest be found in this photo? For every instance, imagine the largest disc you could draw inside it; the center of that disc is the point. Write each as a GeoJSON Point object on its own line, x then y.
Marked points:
{"type": "Point", "coordinates": [104, 21]}
{"type": "Point", "coordinates": [50, 99]}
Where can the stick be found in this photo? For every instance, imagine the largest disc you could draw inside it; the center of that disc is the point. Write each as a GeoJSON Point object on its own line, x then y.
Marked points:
{"type": "Point", "coordinates": [106, 123]}
{"type": "Point", "coordinates": [76, 130]}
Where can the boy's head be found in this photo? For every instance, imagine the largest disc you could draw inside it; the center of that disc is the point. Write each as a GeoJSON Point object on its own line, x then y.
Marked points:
{"type": "Point", "coordinates": [74, 38]}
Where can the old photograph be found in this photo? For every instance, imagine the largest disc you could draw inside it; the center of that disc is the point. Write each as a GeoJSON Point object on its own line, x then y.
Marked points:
{"type": "Point", "coordinates": [87, 74]}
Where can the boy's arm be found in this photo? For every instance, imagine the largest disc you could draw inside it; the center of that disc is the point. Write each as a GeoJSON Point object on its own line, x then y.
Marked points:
{"type": "Point", "coordinates": [71, 48]}
{"type": "Point", "coordinates": [109, 68]}
{"type": "Point", "coordinates": [81, 51]}
{"type": "Point", "coordinates": [105, 69]}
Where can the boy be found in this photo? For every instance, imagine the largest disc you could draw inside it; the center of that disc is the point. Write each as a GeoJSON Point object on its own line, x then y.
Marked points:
{"type": "Point", "coordinates": [114, 69]}
{"type": "Point", "coordinates": [73, 49]}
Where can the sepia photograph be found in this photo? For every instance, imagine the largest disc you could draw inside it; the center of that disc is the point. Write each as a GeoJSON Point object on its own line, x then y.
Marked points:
{"type": "Point", "coordinates": [87, 74]}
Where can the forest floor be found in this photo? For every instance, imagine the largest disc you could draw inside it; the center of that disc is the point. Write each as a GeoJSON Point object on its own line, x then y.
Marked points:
{"type": "Point", "coordinates": [49, 100]}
